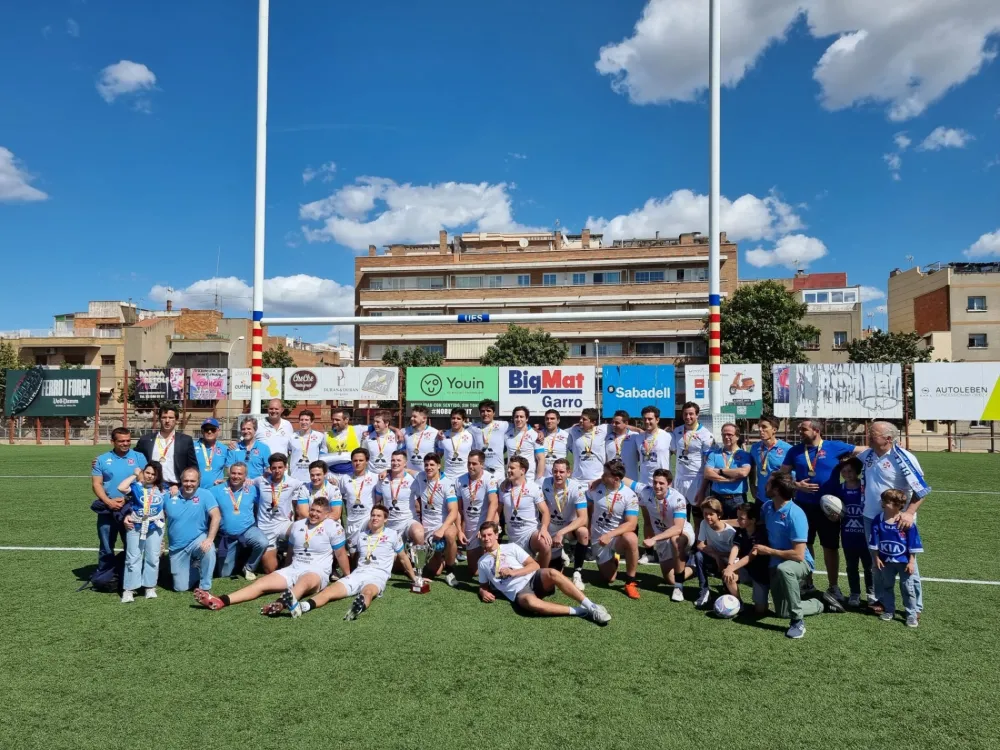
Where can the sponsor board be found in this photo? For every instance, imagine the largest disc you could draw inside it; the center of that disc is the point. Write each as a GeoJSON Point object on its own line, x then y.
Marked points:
{"type": "Point", "coordinates": [957, 390]}
{"type": "Point", "coordinates": [342, 383]}
{"type": "Point", "coordinates": [39, 392]}
{"type": "Point", "coordinates": [742, 394]}
{"type": "Point", "coordinates": [451, 384]}
{"type": "Point", "coordinates": [632, 387]}
{"type": "Point", "coordinates": [271, 383]}
{"type": "Point", "coordinates": [849, 391]}
{"type": "Point", "coordinates": [540, 388]}
{"type": "Point", "coordinates": [208, 384]}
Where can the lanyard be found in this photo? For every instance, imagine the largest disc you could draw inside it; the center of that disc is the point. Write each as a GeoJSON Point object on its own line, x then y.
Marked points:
{"type": "Point", "coordinates": [487, 433]}
{"type": "Point", "coordinates": [809, 463]}
{"type": "Point", "coordinates": [765, 454]}
{"type": "Point", "coordinates": [588, 449]}
{"type": "Point", "coordinates": [611, 505]}
{"type": "Point", "coordinates": [341, 444]}
{"type": "Point", "coordinates": [356, 488]}
{"type": "Point", "coordinates": [520, 442]}
{"type": "Point", "coordinates": [551, 450]}
{"type": "Point", "coordinates": [321, 491]}
{"type": "Point", "coordinates": [208, 455]}
{"type": "Point", "coordinates": [305, 447]}
{"type": "Point", "coordinates": [690, 435]}
{"type": "Point", "coordinates": [370, 546]}
{"type": "Point", "coordinates": [663, 508]}
{"type": "Point", "coordinates": [236, 500]}
{"type": "Point", "coordinates": [496, 566]}
{"type": "Point", "coordinates": [454, 446]}
{"type": "Point", "coordinates": [474, 491]}
{"type": "Point", "coordinates": [381, 443]}
{"type": "Point", "coordinates": [420, 438]}
{"type": "Point", "coordinates": [147, 500]}
{"type": "Point", "coordinates": [649, 443]}
{"type": "Point", "coordinates": [517, 502]}
{"type": "Point", "coordinates": [727, 463]}
{"type": "Point", "coordinates": [557, 494]}
{"type": "Point", "coordinates": [618, 444]}
{"type": "Point", "coordinates": [164, 446]}
{"type": "Point", "coordinates": [430, 499]}
{"type": "Point", "coordinates": [395, 492]}
{"type": "Point", "coordinates": [305, 544]}
{"type": "Point", "coordinates": [276, 490]}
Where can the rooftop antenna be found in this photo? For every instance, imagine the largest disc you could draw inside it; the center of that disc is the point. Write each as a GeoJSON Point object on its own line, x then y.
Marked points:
{"type": "Point", "coordinates": [909, 259]}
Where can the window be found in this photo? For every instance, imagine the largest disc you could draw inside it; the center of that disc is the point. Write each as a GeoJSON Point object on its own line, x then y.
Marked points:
{"type": "Point", "coordinates": [107, 359]}
{"type": "Point", "coordinates": [978, 425]}
{"type": "Point", "coordinates": [548, 279]}
{"type": "Point", "coordinates": [685, 348]}
{"type": "Point", "coordinates": [839, 339]}
{"type": "Point", "coordinates": [809, 297]}
{"type": "Point", "coordinates": [430, 282]}
{"type": "Point", "coordinates": [608, 277]}
{"type": "Point", "coordinates": [433, 348]}
{"type": "Point", "coordinates": [579, 278]}
{"type": "Point", "coordinates": [648, 277]}
{"type": "Point", "coordinates": [977, 340]}
{"type": "Point", "coordinates": [375, 283]}
{"type": "Point", "coordinates": [822, 297]}
{"type": "Point", "coordinates": [375, 314]}
{"type": "Point", "coordinates": [649, 349]}
{"type": "Point", "coordinates": [524, 279]}
{"type": "Point", "coordinates": [851, 297]}
{"type": "Point", "coordinates": [836, 297]}
{"type": "Point", "coordinates": [468, 282]}
{"type": "Point", "coordinates": [495, 282]}
{"type": "Point", "coordinates": [578, 350]}
{"type": "Point", "coordinates": [811, 344]}
{"type": "Point", "coordinates": [680, 274]}
{"type": "Point", "coordinates": [977, 304]}
{"type": "Point", "coordinates": [611, 349]}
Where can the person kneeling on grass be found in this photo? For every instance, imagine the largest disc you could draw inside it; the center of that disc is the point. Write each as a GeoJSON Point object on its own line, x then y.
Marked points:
{"type": "Point", "coordinates": [895, 552]}
{"type": "Point", "coordinates": [508, 569]}
{"type": "Point", "coordinates": [192, 523]}
{"type": "Point", "coordinates": [664, 512]}
{"type": "Point", "coordinates": [715, 542]}
{"type": "Point", "coordinates": [613, 527]}
{"type": "Point", "coordinates": [750, 570]}
{"type": "Point", "coordinates": [144, 538]}
{"type": "Point", "coordinates": [314, 541]}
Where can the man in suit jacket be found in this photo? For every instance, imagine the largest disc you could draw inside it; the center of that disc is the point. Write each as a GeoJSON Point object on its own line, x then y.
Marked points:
{"type": "Point", "coordinates": [174, 450]}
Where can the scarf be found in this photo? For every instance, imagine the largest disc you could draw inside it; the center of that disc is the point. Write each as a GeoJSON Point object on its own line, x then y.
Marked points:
{"type": "Point", "coordinates": [913, 477]}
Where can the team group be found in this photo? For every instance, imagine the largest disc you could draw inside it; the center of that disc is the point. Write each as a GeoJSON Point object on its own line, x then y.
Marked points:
{"type": "Point", "coordinates": [317, 517]}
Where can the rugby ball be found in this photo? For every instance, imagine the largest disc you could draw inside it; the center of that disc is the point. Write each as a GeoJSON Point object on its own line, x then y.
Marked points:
{"type": "Point", "coordinates": [727, 606]}
{"type": "Point", "coordinates": [831, 506]}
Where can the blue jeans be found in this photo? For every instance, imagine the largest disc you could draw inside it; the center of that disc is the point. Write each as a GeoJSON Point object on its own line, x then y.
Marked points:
{"type": "Point", "coordinates": [852, 558]}
{"type": "Point", "coordinates": [918, 589]}
{"type": "Point", "coordinates": [252, 539]}
{"type": "Point", "coordinates": [108, 529]}
{"type": "Point", "coordinates": [704, 565]}
{"type": "Point", "coordinates": [885, 588]}
{"type": "Point", "coordinates": [142, 558]}
{"type": "Point", "coordinates": [184, 561]}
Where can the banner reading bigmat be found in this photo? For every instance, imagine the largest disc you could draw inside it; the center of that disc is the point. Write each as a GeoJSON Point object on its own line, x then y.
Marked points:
{"type": "Point", "coordinates": [957, 390]}
{"type": "Point", "coordinates": [633, 387]}
{"type": "Point", "coordinates": [51, 393]}
{"type": "Point", "coordinates": [451, 384]}
{"type": "Point", "coordinates": [568, 389]}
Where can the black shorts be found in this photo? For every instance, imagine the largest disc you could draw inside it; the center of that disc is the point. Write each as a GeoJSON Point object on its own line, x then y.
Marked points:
{"type": "Point", "coordinates": [819, 525]}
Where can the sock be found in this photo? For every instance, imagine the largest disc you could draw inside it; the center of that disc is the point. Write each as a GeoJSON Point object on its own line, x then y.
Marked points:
{"type": "Point", "coordinates": [627, 578]}
{"type": "Point", "coordinates": [578, 611]}
{"type": "Point", "coordinates": [678, 584]}
{"type": "Point", "coordinates": [449, 569]}
{"type": "Point", "coordinates": [225, 600]}
{"type": "Point", "coordinates": [556, 563]}
{"type": "Point", "coordinates": [586, 603]}
{"type": "Point", "coordinates": [579, 556]}
{"type": "Point", "coordinates": [307, 605]}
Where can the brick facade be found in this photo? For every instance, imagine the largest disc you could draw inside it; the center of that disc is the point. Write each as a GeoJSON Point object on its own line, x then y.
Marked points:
{"type": "Point", "coordinates": [931, 311]}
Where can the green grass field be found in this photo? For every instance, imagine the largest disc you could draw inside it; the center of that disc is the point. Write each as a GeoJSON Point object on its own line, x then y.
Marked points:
{"type": "Point", "coordinates": [80, 670]}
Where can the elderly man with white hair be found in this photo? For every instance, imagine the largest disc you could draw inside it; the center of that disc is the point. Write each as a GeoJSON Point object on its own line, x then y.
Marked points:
{"type": "Point", "coordinates": [887, 466]}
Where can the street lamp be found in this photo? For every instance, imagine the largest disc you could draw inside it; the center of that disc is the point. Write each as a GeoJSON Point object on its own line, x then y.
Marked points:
{"type": "Point", "coordinates": [597, 373]}
{"type": "Point", "coordinates": [229, 354]}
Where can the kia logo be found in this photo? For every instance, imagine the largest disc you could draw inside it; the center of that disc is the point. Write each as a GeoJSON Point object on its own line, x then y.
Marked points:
{"type": "Point", "coordinates": [303, 380]}
{"type": "Point", "coordinates": [431, 384]}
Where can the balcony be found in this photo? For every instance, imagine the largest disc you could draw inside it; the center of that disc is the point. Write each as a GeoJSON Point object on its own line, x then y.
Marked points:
{"type": "Point", "coordinates": [63, 333]}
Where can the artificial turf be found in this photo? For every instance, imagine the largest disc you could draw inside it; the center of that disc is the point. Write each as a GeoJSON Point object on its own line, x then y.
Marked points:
{"type": "Point", "coordinates": [80, 670]}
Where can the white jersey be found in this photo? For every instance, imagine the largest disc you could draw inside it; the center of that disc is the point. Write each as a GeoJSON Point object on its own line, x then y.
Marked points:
{"type": "Point", "coordinates": [314, 546]}
{"type": "Point", "coordinates": [652, 453]}
{"type": "Point", "coordinates": [278, 439]}
{"type": "Point", "coordinates": [278, 501]}
{"type": "Point", "coordinates": [418, 444]}
{"type": "Point", "coordinates": [358, 493]}
{"type": "Point", "coordinates": [520, 508]}
{"type": "Point", "coordinates": [431, 499]}
{"type": "Point", "coordinates": [505, 556]}
{"type": "Point", "coordinates": [490, 439]}
{"type": "Point", "coordinates": [376, 552]}
{"type": "Point", "coordinates": [563, 504]}
{"type": "Point", "coordinates": [662, 513]}
{"type": "Point", "coordinates": [691, 447]}
{"type": "Point", "coordinates": [589, 451]}
{"type": "Point", "coordinates": [305, 448]}
{"type": "Point", "coordinates": [523, 444]}
{"type": "Point", "coordinates": [454, 449]}
{"type": "Point", "coordinates": [611, 508]}
{"type": "Point", "coordinates": [556, 446]}
{"type": "Point", "coordinates": [881, 474]}
{"type": "Point", "coordinates": [395, 495]}
{"type": "Point", "coordinates": [380, 448]}
{"type": "Point", "coordinates": [473, 497]}
{"type": "Point", "coordinates": [328, 489]}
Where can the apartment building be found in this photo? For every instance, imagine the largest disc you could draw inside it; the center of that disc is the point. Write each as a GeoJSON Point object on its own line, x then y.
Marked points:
{"type": "Point", "coordinates": [535, 272]}
{"type": "Point", "coordinates": [954, 306]}
{"type": "Point", "coordinates": [834, 308]}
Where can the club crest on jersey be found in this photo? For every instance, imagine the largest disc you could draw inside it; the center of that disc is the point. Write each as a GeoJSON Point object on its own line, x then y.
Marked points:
{"type": "Point", "coordinates": [131, 461]}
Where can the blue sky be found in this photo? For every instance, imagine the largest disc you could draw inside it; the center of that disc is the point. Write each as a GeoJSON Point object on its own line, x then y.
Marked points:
{"type": "Point", "coordinates": [852, 137]}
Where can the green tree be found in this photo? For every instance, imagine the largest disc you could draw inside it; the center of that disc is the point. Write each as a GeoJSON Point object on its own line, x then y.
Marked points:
{"type": "Point", "coordinates": [892, 348]}
{"type": "Point", "coordinates": [411, 357]}
{"type": "Point", "coordinates": [522, 347]}
{"type": "Point", "coordinates": [278, 356]}
{"type": "Point", "coordinates": [9, 360]}
{"type": "Point", "coordinates": [762, 323]}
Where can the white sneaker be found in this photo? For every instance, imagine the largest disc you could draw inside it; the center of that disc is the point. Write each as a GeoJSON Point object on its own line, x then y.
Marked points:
{"type": "Point", "coordinates": [836, 593]}
{"type": "Point", "coordinates": [127, 597]}
{"type": "Point", "coordinates": [578, 581]}
{"type": "Point", "coordinates": [249, 574]}
{"type": "Point", "coordinates": [702, 599]}
{"type": "Point", "coordinates": [451, 580]}
{"type": "Point", "coordinates": [150, 593]}
{"type": "Point", "coordinates": [566, 558]}
{"type": "Point", "coordinates": [645, 560]}
{"type": "Point", "coordinates": [677, 595]}
{"type": "Point", "coordinates": [599, 614]}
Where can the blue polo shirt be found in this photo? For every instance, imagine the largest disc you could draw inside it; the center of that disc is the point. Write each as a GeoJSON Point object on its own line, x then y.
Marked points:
{"type": "Point", "coordinates": [786, 528]}
{"type": "Point", "coordinates": [113, 469]}
{"type": "Point", "coordinates": [236, 522]}
{"type": "Point", "coordinates": [716, 459]}
{"type": "Point", "coordinates": [766, 461]}
{"type": "Point", "coordinates": [187, 518]}
{"type": "Point", "coordinates": [218, 455]}
{"type": "Point", "coordinates": [824, 460]}
{"type": "Point", "coordinates": [255, 459]}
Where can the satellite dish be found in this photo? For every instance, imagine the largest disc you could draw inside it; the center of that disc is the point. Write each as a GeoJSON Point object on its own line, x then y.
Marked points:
{"type": "Point", "coordinates": [522, 242]}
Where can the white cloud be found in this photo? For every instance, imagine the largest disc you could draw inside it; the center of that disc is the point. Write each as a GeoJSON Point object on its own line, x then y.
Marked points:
{"type": "Point", "coordinates": [793, 251]}
{"type": "Point", "coordinates": [988, 244]}
{"type": "Point", "coordinates": [380, 211]}
{"type": "Point", "coordinates": [902, 141]}
{"type": "Point", "coordinates": [298, 295]}
{"type": "Point", "coordinates": [15, 182]}
{"type": "Point", "coordinates": [746, 218]}
{"type": "Point", "coordinates": [72, 27]}
{"type": "Point", "coordinates": [871, 293]}
{"type": "Point", "coordinates": [904, 53]}
{"type": "Point", "coordinates": [325, 172]}
{"type": "Point", "coordinates": [515, 155]}
{"type": "Point", "coordinates": [895, 163]}
{"type": "Point", "coordinates": [124, 77]}
{"type": "Point", "coordinates": [942, 137]}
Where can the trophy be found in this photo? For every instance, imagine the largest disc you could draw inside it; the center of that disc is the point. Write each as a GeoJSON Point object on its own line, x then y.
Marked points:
{"type": "Point", "coordinates": [419, 555]}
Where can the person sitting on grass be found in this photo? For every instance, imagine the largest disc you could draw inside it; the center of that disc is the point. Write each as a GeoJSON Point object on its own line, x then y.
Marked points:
{"type": "Point", "coordinates": [715, 542]}
{"type": "Point", "coordinates": [852, 530]}
{"type": "Point", "coordinates": [144, 537]}
{"type": "Point", "coordinates": [668, 532]}
{"type": "Point", "coordinates": [895, 551]}
{"type": "Point", "coordinates": [314, 541]}
{"type": "Point", "coordinates": [744, 567]}
{"type": "Point", "coordinates": [509, 570]}
{"type": "Point", "coordinates": [193, 520]}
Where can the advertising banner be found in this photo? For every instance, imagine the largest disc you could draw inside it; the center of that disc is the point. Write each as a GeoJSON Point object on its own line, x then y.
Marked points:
{"type": "Point", "coordinates": [271, 383]}
{"type": "Point", "coordinates": [451, 384]}
{"type": "Point", "coordinates": [957, 390]}
{"type": "Point", "coordinates": [742, 394]}
{"type": "Point", "coordinates": [342, 383]}
{"type": "Point", "coordinates": [568, 389]}
{"type": "Point", "coordinates": [152, 385]}
{"type": "Point", "coordinates": [633, 387]}
{"type": "Point", "coordinates": [851, 391]}
{"type": "Point", "coordinates": [175, 386]}
{"type": "Point", "coordinates": [39, 392]}
{"type": "Point", "coordinates": [208, 384]}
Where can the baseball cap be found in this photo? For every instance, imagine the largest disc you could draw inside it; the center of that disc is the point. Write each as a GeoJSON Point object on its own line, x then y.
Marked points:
{"type": "Point", "coordinates": [211, 422]}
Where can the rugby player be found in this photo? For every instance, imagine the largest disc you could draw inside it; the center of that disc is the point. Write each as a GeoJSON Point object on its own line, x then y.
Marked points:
{"type": "Point", "coordinates": [667, 530]}
{"type": "Point", "coordinates": [307, 445]}
{"type": "Point", "coordinates": [554, 440]}
{"type": "Point", "coordinates": [477, 502]}
{"type": "Point", "coordinates": [420, 439]}
{"type": "Point", "coordinates": [320, 486]}
{"type": "Point", "coordinates": [567, 504]}
{"type": "Point", "coordinates": [691, 442]}
{"type": "Point", "coordinates": [526, 514]}
{"type": "Point", "coordinates": [437, 512]}
{"type": "Point", "coordinates": [454, 445]}
{"type": "Point", "coordinates": [613, 526]}
{"type": "Point", "coordinates": [341, 440]}
{"type": "Point", "coordinates": [521, 440]}
{"type": "Point", "coordinates": [358, 490]}
{"type": "Point", "coordinates": [489, 434]}
{"type": "Point", "coordinates": [588, 444]}
{"type": "Point", "coordinates": [281, 502]}
{"type": "Point", "coordinates": [276, 432]}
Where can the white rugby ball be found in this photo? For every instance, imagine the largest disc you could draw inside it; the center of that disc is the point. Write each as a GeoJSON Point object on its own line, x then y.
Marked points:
{"type": "Point", "coordinates": [831, 506]}
{"type": "Point", "coordinates": [727, 606]}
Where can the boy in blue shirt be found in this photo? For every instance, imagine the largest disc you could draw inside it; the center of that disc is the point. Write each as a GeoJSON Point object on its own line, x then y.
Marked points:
{"type": "Point", "coordinates": [895, 552]}
{"type": "Point", "coordinates": [852, 530]}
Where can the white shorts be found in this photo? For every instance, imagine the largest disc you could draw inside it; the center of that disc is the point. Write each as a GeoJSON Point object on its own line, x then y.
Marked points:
{"type": "Point", "coordinates": [273, 533]}
{"type": "Point", "coordinates": [688, 486]}
{"type": "Point", "coordinates": [294, 572]}
{"type": "Point", "coordinates": [665, 550]}
{"type": "Point", "coordinates": [353, 529]}
{"type": "Point", "coordinates": [402, 527]}
{"type": "Point", "coordinates": [361, 578]}
{"type": "Point", "coordinates": [523, 540]}
{"type": "Point", "coordinates": [553, 530]}
{"type": "Point", "coordinates": [473, 538]}
{"type": "Point", "coordinates": [604, 552]}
